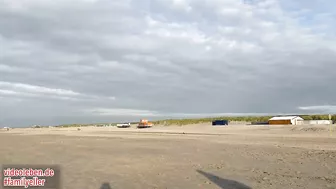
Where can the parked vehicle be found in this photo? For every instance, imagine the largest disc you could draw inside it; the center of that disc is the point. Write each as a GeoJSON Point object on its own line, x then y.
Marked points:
{"type": "Point", "coordinates": [124, 125]}
{"type": "Point", "coordinates": [144, 123]}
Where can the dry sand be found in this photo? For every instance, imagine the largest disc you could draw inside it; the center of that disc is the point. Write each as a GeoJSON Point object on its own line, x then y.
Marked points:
{"type": "Point", "coordinates": [197, 156]}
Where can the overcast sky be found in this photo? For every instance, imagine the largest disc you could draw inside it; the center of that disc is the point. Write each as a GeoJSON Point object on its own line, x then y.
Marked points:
{"type": "Point", "coordinates": [68, 61]}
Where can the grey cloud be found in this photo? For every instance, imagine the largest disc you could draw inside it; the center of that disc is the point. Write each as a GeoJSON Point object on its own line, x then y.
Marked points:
{"type": "Point", "coordinates": [159, 58]}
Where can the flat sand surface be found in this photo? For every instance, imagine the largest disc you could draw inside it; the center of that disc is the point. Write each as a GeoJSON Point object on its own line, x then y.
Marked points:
{"type": "Point", "coordinates": [188, 157]}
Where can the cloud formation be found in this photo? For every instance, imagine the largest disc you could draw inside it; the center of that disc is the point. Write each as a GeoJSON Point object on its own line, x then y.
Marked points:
{"type": "Point", "coordinates": [26, 90]}
{"type": "Point", "coordinates": [100, 60]}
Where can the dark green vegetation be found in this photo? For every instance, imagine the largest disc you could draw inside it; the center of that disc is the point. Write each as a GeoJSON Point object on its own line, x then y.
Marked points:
{"type": "Point", "coordinates": [210, 119]}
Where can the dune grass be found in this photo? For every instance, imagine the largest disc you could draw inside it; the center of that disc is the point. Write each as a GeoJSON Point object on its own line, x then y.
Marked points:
{"type": "Point", "coordinates": [249, 119]}
{"type": "Point", "coordinates": [190, 121]}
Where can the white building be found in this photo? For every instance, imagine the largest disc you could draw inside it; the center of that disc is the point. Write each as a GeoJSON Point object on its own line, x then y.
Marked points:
{"type": "Point", "coordinates": [285, 120]}
{"type": "Point", "coordinates": [318, 122]}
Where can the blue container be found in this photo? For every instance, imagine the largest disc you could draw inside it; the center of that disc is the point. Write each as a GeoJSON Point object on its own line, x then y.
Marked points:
{"type": "Point", "coordinates": [220, 122]}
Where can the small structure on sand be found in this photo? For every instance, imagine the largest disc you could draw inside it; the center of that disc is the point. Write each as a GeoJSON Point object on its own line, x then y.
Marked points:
{"type": "Point", "coordinates": [285, 120]}
{"type": "Point", "coordinates": [220, 122]}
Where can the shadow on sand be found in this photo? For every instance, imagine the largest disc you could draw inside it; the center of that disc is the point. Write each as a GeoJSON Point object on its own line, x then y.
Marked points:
{"type": "Point", "coordinates": [105, 185]}
{"type": "Point", "coordinates": [224, 183]}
